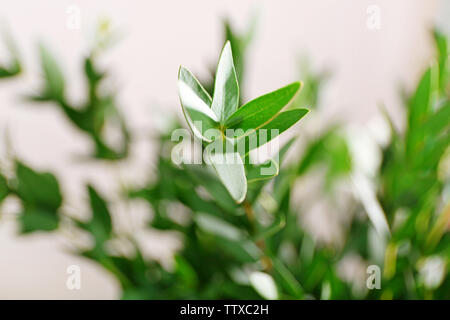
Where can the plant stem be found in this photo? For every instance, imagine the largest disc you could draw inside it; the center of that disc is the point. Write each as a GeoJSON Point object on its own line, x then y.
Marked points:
{"type": "Point", "coordinates": [266, 261]}
{"type": "Point", "coordinates": [249, 212]}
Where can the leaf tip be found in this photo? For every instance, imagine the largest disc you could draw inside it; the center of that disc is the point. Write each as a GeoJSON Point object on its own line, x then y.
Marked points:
{"type": "Point", "coordinates": [227, 52]}
{"type": "Point", "coordinates": [227, 45]}
{"type": "Point", "coordinates": [298, 85]}
{"type": "Point", "coordinates": [181, 70]}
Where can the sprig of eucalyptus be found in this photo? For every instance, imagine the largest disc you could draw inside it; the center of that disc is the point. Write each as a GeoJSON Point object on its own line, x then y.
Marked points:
{"type": "Point", "coordinates": [211, 118]}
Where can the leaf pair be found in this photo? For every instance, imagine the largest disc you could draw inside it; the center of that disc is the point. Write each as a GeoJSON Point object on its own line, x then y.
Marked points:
{"type": "Point", "coordinates": [211, 119]}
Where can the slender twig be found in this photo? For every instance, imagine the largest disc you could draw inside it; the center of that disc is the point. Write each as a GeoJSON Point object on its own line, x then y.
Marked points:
{"type": "Point", "coordinates": [266, 261]}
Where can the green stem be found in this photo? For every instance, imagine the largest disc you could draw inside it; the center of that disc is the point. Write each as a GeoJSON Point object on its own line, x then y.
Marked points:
{"type": "Point", "coordinates": [266, 261]}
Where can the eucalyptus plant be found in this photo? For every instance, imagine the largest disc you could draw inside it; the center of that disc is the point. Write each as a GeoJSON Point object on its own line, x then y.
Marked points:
{"type": "Point", "coordinates": [241, 227]}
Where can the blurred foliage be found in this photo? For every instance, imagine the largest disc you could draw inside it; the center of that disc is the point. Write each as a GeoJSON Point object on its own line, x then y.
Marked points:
{"type": "Point", "coordinates": [411, 189]}
{"type": "Point", "coordinates": [99, 111]}
{"type": "Point", "coordinates": [226, 246]}
{"type": "Point", "coordinates": [13, 67]}
{"type": "Point", "coordinates": [313, 82]}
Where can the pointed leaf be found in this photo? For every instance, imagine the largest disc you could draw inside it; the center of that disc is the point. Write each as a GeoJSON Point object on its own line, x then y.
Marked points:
{"type": "Point", "coordinates": [196, 103]}
{"type": "Point", "coordinates": [266, 170]}
{"type": "Point", "coordinates": [264, 284]}
{"type": "Point", "coordinates": [421, 101]}
{"type": "Point", "coordinates": [217, 226]}
{"type": "Point", "coordinates": [229, 238]}
{"type": "Point", "coordinates": [187, 77]}
{"type": "Point", "coordinates": [226, 88]}
{"type": "Point", "coordinates": [14, 67]}
{"type": "Point", "coordinates": [443, 53]}
{"type": "Point", "coordinates": [259, 111]}
{"type": "Point", "coordinates": [438, 121]}
{"type": "Point", "coordinates": [283, 121]}
{"type": "Point", "coordinates": [100, 224]}
{"type": "Point", "coordinates": [419, 109]}
{"type": "Point", "coordinates": [230, 169]}
{"type": "Point", "coordinates": [213, 185]}
{"type": "Point", "coordinates": [55, 80]}
{"type": "Point", "coordinates": [287, 279]}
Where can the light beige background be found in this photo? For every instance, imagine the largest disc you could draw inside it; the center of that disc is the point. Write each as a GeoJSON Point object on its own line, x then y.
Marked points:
{"type": "Point", "coordinates": [368, 67]}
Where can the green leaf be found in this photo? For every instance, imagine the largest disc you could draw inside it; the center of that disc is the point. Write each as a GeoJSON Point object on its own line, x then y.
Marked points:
{"type": "Point", "coordinates": [330, 149]}
{"type": "Point", "coordinates": [208, 179]}
{"type": "Point", "coordinates": [189, 79]}
{"type": "Point", "coordinates": [4, 189]}
{"type": "Point", "coordinates": [97, 113]}
{"type": "Point", "coordinates": [421, 101]}
{"type": "Point", "coordinates": [259, 111]}
{"type": "Point", "coordinates": [186, 272]}
{"type": "Point", "coordinates": [91, 72]}
{"type": "Point", "coordinates": [40, 197]}
{"type": "Point", "coordinates": [438, 121]}
{"type": "Point", "coordinates": [244, 251]}
{"type": "Point", "coordinates": [255, 187]}
{"type": "Point", "coordinates": [217, 226]}
{"type": "Point", "coordinates": [419, 109]}
{"type": "Point", "coordinates": [283, 121]}
{"type": "Point", "coordinates": [226, 88]}
{"type": "Point", "coordinates": [100, 224]}
{"type": "Point", "coordinates": [266, 170]}
{"type": "Point", "coordinates": [264, 284]}
{"type": "Point", "coordinates": [230, 169]}
{"type": "Point", "coordinates": [55, 80]}
{"type": "Point", "coordinates": [14, 67]}
{"type": "Point", "coordinates": [229, 238]}
{"type": "Point", "coordinates": [196, 103]}
{"type": "Point", "coordinates": [36, 219]}
{"type": "Point", "coordinates": [287, 280]}
{"type": "Point", "coordinates": [443, 54]}
{"type": "Point", "coordinates": [39, 189]}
